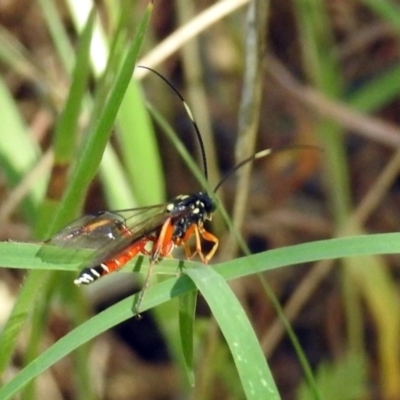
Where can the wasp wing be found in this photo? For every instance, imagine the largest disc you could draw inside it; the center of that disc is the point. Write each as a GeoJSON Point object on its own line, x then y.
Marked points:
{"type": "Point", "coordinates": [105, 233]}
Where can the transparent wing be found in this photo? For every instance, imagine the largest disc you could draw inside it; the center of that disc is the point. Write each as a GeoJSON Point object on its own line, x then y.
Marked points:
{"type": "Point", "coordinates": [105, 233]}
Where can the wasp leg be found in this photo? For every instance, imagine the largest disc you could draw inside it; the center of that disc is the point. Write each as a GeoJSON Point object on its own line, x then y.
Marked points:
{"type": "Point", "coordinates": [162, 246]}
{"type": "Point", "coordinates": [164, 243]}
{"type": "Point", "coordinates": [184, 242]}
{"type": "Point", "coordinates": [145, 286]}
{"type": "Point", "coordinates": [209, 237]}
{"type": "Point", "coordinates": [199, 232]}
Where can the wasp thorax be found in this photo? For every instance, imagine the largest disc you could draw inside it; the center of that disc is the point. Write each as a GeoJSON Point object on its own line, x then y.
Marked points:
{"type": "Point", "coordinates": [188, 210]}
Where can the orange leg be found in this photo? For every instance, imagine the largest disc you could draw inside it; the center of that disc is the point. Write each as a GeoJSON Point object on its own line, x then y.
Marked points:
{"type": "Point", "coordinates": [164, 243]}
{"type": "Point", "coordinates": [199, 232]}
{"type": "Point", "coordinates": [162, 246]}
{"type": "Point", "coordinates": [209, 237]}
{"type": "Point", "coordinates": [183, 242]}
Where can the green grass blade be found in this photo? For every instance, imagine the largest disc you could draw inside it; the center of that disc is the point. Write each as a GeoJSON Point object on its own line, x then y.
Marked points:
{"type": "Point", "coordinates": [118, 192]}
{"type": "Point", "coordinates": [322, 69]}
{"type": "Point", "coordinates": [23, 255]}
{"type": "Point", "coordinates": [179, 146]}
{"type": "Point", "coordinates": [377, 92]}
{"type": "Point", "coordinates": [93, 148]}
{"type": "Point", "coordinates": [58, 33]}
{"type": "Point", "coordinates": [66, 131]}
{"type": "Point", "coordinates": [388, 10]}
{"type": "Point", "coordinates": [16, 164]}
{"type": "Point", "coordinates": [83, 173]}
{"type": "Point", "coordinates": [139, 148]}
{"type": "Point", "coordinates": [256, 378]}
{"type": "Point", "coordinates": [88, 330]}
{"type": "Point", "coordinates": [330, 377]}
{"type": "Point", "coordinates": [14, 55]}
{"type": "Point", "coordinates": [67, 126]}
{"type": "Point", "coordinates": [17, 255]}
{"type": "Point", "coordinates": [187, 310]}
{"type": "Point", "coordinates": [19, 314]}
{"type": "Point", "coordinates": [35, 279]}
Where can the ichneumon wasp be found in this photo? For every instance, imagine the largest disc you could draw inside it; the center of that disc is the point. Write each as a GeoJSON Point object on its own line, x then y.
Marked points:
{"type": "Point", "coordinates": [153, 231]}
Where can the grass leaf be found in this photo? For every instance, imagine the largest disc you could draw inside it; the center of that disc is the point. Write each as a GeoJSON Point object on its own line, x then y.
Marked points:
{"type": "Point", "coordinates": [256, 378]}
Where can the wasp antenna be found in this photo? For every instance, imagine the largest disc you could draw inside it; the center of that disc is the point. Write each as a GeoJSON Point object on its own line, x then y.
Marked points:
{"type": "Point", "coordinates": [262, 154]}
{"type": "Point", "coordinates": [189, 113]}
